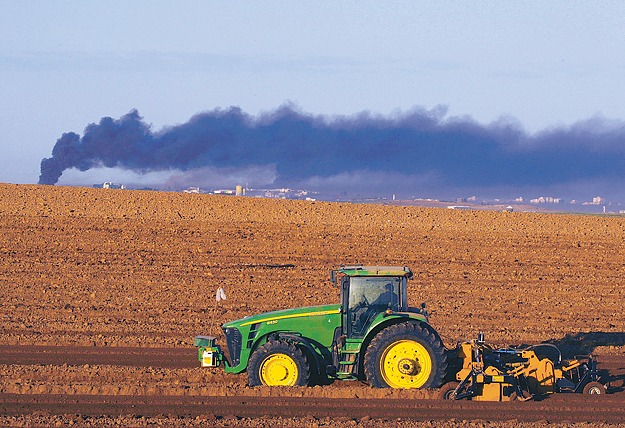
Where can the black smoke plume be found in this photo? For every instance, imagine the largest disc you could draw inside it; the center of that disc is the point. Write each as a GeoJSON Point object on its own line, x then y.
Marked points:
{"type": "Point", "coordinates": [451, 152]}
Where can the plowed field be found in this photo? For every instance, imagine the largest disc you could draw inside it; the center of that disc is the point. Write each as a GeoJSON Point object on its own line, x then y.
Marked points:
{"type": "Point", "coordinates": [104, 290]}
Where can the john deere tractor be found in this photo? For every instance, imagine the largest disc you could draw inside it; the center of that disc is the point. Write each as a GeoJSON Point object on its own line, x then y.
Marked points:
{"type": "Point", "coordinates": [371, 335]}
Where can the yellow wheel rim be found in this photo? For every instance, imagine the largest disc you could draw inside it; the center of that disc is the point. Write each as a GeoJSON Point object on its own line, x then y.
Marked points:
{"type": "Point", "coordinates": [277, 370]}
{"type": "Point", "coordinates": [406, 364]}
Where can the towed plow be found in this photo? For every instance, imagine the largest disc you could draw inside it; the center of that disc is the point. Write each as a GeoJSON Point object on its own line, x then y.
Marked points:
{"type": "Point", "coordinates": [484, 372]}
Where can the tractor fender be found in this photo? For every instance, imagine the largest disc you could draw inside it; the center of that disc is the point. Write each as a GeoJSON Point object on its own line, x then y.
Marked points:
{"type": "Point", "coordinates": [383, 321]}
{"type": "Point", "coordinates": [306, 344]}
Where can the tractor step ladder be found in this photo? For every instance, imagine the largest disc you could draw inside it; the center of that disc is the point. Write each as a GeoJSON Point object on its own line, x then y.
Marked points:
{"type": "Point", "coordinates": [347, 361]}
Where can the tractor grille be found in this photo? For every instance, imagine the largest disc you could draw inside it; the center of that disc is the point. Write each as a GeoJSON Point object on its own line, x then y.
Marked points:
{"type": "Point", "coordinates": [234, 341]}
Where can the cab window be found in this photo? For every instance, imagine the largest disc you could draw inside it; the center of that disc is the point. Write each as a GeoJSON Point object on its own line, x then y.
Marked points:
{"type": "Point", "coordinates": [369, 296]}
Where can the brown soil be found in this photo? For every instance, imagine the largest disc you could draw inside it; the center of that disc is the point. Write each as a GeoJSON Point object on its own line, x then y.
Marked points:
{"type": "Point", "coordinates": [102, 288]}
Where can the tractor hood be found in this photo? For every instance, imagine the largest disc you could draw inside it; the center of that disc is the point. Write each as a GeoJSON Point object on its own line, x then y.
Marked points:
{"type": "Point", "coordinates": [286, 314]}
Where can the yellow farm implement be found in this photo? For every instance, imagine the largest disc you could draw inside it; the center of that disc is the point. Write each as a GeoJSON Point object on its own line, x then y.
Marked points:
{"type": "Point", "coordinates": [486, 373]}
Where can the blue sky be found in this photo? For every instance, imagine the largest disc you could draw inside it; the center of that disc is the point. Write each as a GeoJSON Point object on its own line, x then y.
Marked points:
{"type": "Point", "coordinates": [65, 64]}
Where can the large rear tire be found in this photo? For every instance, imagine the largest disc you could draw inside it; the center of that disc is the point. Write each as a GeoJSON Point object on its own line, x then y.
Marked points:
{"type": "Point", "coordinates": [278, 363]}
{"type": "Point", "coordinates": [405, 356]}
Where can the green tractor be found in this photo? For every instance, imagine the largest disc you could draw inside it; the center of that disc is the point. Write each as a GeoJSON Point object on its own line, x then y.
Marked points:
{"type": "Point", "coordinates": [372, 335]}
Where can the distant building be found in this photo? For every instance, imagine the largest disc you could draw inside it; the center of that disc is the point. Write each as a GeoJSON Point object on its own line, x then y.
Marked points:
{"type": "Point", "coordinates": [595, 201]}
{"type": "Point", "coordinates": [546, 200]}
{"type": "Point", "coordinates": [111, 185]}
{"type": "Point", "coordinates": [281, 194]}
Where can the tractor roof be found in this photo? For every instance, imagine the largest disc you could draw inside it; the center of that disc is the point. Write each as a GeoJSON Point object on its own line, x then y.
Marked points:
{"type": "Point", "coordinates": [359, 270]}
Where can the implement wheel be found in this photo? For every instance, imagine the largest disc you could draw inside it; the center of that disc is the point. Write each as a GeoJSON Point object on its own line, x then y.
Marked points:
{"type": "Point", "coordinates": [405, 356]}
{"type": "Point", "coordinates": [447, 391]}
{"type": "Point", "coordinates": [278, 363]}
{"type": "Point", "coordinates": [594, 388]}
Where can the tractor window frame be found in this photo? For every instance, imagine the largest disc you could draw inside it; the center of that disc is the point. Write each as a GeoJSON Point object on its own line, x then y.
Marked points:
{"type": "Point", "coordinates": [404, 294]}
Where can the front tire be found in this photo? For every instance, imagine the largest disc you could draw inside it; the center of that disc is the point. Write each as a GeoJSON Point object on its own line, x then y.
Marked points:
{"type": "Point", "coordinates": [405, 356]}
{"type": "Point", "coordinates": [278, 363]}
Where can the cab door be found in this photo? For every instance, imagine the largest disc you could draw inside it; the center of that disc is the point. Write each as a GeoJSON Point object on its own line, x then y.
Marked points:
{"type": "Point", "coordinates": [365, 299]}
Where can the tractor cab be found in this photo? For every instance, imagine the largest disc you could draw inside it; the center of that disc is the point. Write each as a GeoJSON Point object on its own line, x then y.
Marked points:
{"type": "Point", "coordinates": [368, 291]}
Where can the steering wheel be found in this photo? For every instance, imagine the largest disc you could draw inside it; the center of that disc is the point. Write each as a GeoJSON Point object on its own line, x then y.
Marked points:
{"type": "Point", "coordinates": [364, 302]}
